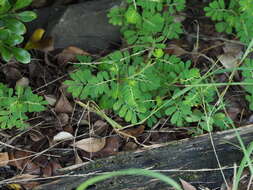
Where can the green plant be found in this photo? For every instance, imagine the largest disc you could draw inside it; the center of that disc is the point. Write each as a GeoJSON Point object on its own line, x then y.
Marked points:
{"type": "Point", "coordinates": [148, 23]}
{"type": "Point", "coordinates": [134, 87]}
{"type": "Point", "coordinates": [233, 14]}
{"type": "Point", "coordinates": [247, 73]}
{"type": "Point", "coordinates": [12, 29]}
{"type": "Point", "coordinates": [139, 81]}
{"type": "Point", "coordinates": [138, 172]}
{"type": "Point", "coordinates": [245, 162]}
{"type": "Point", "coordinates": [15, 104]}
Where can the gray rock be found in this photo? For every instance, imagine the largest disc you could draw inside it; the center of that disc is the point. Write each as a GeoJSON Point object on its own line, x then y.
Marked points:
{"type": "Point", "coordinates": [86, 26]}
{"type": "Point", "coordinates": [44, 16]}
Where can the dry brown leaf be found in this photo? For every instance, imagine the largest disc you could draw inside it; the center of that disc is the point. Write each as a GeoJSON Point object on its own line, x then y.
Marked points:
{"type": "Point", "coordinates": [78, 159]}
{"type": "Point", "coordinates": [18, 159]}
{"type": "Point", "coordinates": [186, 185]}
{"type": "Point", "coordinates": [55, 167]}
{"type": "Point", "coordinates": [100, 127]}
{"type": "Point", "coordinates": [63, 118]}
{"type": "Point", "coordinates": [46, 44]}
{"type": "Point", "coordinates": [100, 123]}
{"type": "Point", "coordinates": [24, 82]}
{"type": "Point", "coordinates": [42, 161]}
{"type": "Point", "coordinates": [36, 136]}
{"type": "Point", "coordinates": [174, 47]}
{"type": "Point", "coordinates": [63, 88]}
{"type": "Point", "coordinates": [47, 171]}
{"type": "Point", "coordinates": [230, 59]}
{"type": "Point", "coordinates": [23, 176]}
{"type": "Point", "coordinates": [30, 185]}
{"type": "Point", "coordinates": [63, 105]}
{"type": "Point", "coordinates": [111, 148]}
{"type": "Point", "coordinates": [175, 50]}
{"type": "Point", "coordinates": [179, 17]}
{"type": "Point", "coordinates": [232, 47]}
{"type": "Point", "coordinates": [63, 135]}
{"type": "Point", "coordinates": [69, 54]}
{"type": "Point", "coordinates": [32, 168]}
{"type": "Point", "coordinates": [4, 159]}
{"type": "Point", "coordinates": [130, 146]}
{"type": "Point", "coordinates": [51, 99]}
{"type": "Point", "coordinates": [69, 129]}
{"type": "Point", "coordinates": [11, 73]}
{"type": "Point", "coordinates": [234, 110]}
{"type": "Point", "coordinates": [91, 144]}
{"type": "Point", "coordinates": [134, 131]}
{"type": "Point", "coordinates": [232, 54]}
{"type": "Point", "coordinates": [75, 50]}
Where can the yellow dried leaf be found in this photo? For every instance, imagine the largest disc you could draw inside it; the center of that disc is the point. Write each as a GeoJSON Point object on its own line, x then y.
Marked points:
{"type": "Point", "coordinates": [14, 186]}
{"type": "Point", "coordinates": [36, 37]}
{"type": "Point", "coordinates": [36, 41]}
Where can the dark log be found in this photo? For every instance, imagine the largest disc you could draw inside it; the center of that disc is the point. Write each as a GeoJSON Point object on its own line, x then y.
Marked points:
{"type": "Point", "coordinates": [195, 155]}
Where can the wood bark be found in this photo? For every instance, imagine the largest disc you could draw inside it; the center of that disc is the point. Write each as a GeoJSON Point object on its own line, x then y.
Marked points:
{"type": "Point", "coordinates": [191, 159]}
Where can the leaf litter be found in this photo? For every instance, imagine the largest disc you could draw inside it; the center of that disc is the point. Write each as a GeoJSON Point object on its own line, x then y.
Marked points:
{"type": "Point", "coordinates": [51, 145]}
